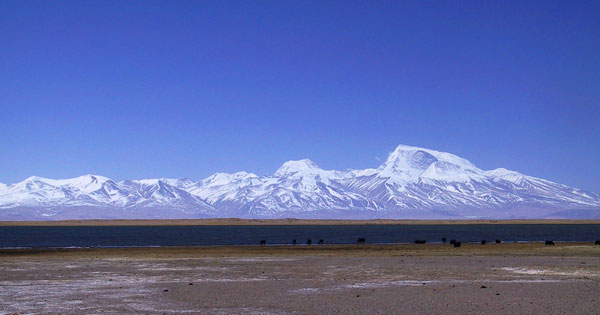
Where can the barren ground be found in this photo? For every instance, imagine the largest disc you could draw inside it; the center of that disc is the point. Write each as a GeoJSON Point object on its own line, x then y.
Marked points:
{"type": "Point", "coordinates": [345, 279]}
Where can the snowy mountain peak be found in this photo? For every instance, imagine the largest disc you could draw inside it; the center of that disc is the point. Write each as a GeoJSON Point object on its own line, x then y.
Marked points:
{"type": "Point", "coordinates": [226, 178]}
{"type": "Point", "coordinates": [87, 179]}
{"type": "Point", "coordinates": [405, 157]}
{"type": "Point", "coordinates": [34, 179]}
{"type": "Point", "coordinates": [408, 163]}
{"type": "Point", "coordinates": [179, 182]}
{"type": "Point", "coordinates": [299, 166]}
{"type": "Point", "coordinates": [507, 175]}
{"type": "Point", "coordinates": [80, 182]}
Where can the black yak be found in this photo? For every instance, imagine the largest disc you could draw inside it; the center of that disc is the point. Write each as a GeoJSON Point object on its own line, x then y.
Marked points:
{"type": "Point", "coordinates": [361, 240]}
{"type": "Point", "coordinates": [420, 241]}
{"type": "Point", "coordinates": [457, 244]}
{"type": "Point", "coordinates": [549, 243]}
{"type": "Point", "coordinates": [263, 242]}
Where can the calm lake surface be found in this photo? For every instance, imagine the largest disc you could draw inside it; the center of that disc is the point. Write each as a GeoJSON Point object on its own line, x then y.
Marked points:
{"type": "Point", "coordinates": [125, 236]}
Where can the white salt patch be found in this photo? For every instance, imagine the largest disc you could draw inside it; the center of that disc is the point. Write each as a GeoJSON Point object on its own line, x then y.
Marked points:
{"type": "Point", "coordinates": [533, 281]}
{"type": "Point", "coordinates": [168, 269]}
{"type": "Point", "coordinates": [417, 283]}
{"type": "Point", "coordinates": [532, 271]}
{"type": "Point", "coordinates": [305, 290]}
{"type": "Point", "coordinates": [144, 307]}
{"type": "Point", "coordinates": [229, 279]}
{"type": "Point", "coordinates": [246, 310]}
{"type": "Point", "coordinates": [258, 259]}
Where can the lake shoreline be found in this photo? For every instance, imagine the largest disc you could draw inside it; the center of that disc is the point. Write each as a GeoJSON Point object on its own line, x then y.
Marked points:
{"type": "Point", "coordinates": [360, 250]}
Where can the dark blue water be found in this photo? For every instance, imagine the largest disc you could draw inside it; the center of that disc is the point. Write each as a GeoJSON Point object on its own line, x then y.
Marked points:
{"type": "Point", "coordinates": [117, 236]}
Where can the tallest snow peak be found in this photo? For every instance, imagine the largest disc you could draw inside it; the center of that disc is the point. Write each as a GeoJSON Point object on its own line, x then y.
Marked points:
{"type": "Point", "coordinates": [421, 158]}
{"type": "Point", "coordinates": [410, 157]}
{"type": "Point", "coordinates": [408, 164]}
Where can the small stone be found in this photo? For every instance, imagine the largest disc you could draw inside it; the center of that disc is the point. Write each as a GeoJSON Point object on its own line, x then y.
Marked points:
{"type": "Point", "coordinates": [483, 287]}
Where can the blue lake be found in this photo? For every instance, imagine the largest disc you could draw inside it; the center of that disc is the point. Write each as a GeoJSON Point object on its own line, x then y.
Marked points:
{"type": "Point", "coordinates": [124, 236]}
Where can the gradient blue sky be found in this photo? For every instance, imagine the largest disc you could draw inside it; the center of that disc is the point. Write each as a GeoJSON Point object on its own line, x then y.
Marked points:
{"type": "Point", "coordinates": [132, 89]}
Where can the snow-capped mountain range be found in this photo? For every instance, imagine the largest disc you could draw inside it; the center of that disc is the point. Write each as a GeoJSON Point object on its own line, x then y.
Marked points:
{"type": "Point", "coordinates": [413, 183]}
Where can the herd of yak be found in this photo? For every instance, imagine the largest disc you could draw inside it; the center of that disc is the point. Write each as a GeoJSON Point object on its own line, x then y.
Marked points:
{"type": "Point", "coordinates": [455, 243]}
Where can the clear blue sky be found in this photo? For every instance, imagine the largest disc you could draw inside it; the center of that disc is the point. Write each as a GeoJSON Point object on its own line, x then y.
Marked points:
{"type": "Point", "coordinates": [139, 89]}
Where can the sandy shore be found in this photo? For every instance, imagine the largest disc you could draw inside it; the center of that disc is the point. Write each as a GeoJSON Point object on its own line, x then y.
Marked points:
{"type": "Point", "coordinates": [346, 279]}
{"type": "Point", "coordinates": [235, 221]}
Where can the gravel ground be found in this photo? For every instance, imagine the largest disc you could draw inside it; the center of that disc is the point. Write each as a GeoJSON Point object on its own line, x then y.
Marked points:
{"type": "Point", "coordinates": [505, 280]}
